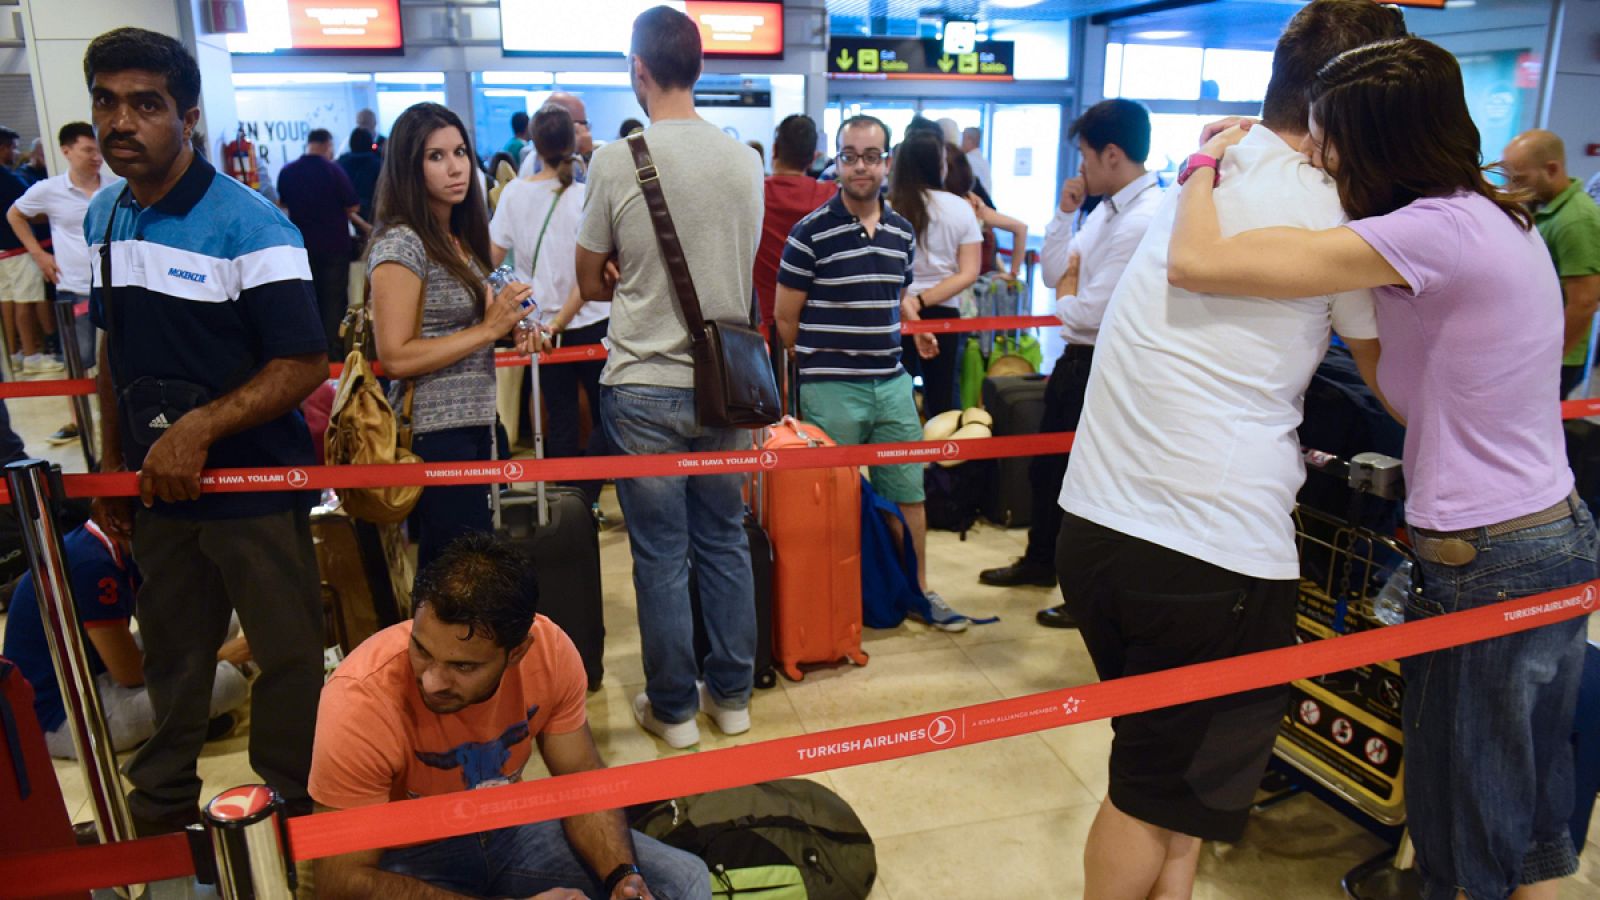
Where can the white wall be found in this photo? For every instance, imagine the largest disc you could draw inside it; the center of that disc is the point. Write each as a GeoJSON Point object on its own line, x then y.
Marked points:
{"type": "Point", "coordinates": [58, 32]}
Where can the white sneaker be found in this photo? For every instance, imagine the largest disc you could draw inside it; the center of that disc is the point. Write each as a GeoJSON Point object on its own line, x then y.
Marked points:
{"type": "Point", "coordinates": [41, 364]}
{"type": "Point", "coordinates": [729, 721]}
{"type": "Point", "coordinates": [678, 737]}
{"type": "Point", "coordinates": [944, 618]}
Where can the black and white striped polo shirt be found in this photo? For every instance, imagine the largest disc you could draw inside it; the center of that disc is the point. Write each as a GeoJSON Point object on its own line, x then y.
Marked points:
{"type": "Point", "coordinates": [850, 325]}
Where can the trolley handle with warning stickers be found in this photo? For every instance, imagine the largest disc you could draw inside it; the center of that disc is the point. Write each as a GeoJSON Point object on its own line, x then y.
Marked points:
{"type": "Point", "coordinates": [1342, 731]}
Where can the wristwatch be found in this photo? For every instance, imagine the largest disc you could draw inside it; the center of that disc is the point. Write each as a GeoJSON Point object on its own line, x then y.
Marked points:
{"type": "Point", "coordinates": [616, 876]}
{"type": "Point", "coordinates": [1196, 162]}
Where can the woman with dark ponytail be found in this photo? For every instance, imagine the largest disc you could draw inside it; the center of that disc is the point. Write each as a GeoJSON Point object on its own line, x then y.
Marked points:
{"type": "Point", "coordinates": [946, 262]}
{"type": "Point", "coordinates": [536, 224]}
{"type": "Point", "coordinates": [1470, 319]}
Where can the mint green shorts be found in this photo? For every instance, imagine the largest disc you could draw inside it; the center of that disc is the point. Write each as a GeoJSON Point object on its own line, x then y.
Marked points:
{"type": "Point", "coordinates": [870, 411]}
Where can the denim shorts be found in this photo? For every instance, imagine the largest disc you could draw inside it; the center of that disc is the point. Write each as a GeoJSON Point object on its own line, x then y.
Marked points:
{"type": "Point", "coordinates": [1489, 771]}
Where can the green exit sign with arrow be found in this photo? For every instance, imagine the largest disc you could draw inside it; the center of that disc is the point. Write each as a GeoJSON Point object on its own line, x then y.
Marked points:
{"type": "Point", "coordinates": [885, 58]}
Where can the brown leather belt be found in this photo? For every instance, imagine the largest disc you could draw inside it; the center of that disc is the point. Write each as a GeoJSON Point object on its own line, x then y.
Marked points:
{"type": "Point", "coordinates": [1455, 548]}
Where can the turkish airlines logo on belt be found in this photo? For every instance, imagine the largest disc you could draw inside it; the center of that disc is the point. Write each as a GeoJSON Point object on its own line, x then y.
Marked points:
{"type": "Point", "coordinates": [513, 471]}
{"type": "Point", "coordinates": [297, 478]}
{"type": "Point", "coordinates": [941, 731]}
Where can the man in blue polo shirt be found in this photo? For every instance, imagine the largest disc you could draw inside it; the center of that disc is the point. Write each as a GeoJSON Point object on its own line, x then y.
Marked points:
{"type": "Point", "coordinates": [212, 340]}
{"type": "Point", "coordinates": [841, 296]}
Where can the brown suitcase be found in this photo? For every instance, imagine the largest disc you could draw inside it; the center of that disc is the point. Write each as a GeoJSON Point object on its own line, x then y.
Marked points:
{"type": "Point", "coordinates": [366, 576]}
{"type": "Point", "coordinates": [814, 522]}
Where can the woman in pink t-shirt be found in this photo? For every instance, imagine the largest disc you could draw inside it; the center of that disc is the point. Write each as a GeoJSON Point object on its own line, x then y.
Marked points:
{"type": "Point", "coordinates": [1470, 316]}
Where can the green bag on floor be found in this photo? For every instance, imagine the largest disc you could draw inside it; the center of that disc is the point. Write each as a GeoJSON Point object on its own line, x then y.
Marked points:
{"type": "Point", "coordinates": [780, 840]}
{"type": "Point", "coordinates": [974, 366]}
{"type": "Point", "coordinates": [1026, 347]}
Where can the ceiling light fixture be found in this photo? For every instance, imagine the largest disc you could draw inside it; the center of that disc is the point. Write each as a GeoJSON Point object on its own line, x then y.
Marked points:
{"type": "Point", "coordinates": [1158, 35]}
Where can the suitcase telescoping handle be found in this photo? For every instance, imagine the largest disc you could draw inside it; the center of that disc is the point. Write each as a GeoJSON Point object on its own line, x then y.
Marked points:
{"type": "Point", "coordinates": [542, 502]}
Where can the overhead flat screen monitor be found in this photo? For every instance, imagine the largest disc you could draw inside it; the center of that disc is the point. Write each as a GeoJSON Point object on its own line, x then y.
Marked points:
{"type": "Point", "coordinates": [321, 27]}
{"type": "Point", "coordinates": [729, 29]}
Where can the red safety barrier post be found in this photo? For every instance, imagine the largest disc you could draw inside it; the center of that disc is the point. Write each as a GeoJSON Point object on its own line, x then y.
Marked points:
{"type": "Point", "coordinates": [251, 844]}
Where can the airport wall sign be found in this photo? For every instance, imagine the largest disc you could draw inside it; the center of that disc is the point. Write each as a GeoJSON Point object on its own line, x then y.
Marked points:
{"type": "Point", "coordinates": [910, 58]}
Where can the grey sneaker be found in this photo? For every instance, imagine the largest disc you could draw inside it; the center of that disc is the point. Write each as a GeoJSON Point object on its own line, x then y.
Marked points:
{"type": "Point", "coordinates": [944, 618]}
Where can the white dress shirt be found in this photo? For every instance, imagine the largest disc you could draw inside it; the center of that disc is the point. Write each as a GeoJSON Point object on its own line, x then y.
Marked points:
{"type": "Point", "coordinates": [981, 170]}
{"type": "Point", "coordinates": [1104, 245]}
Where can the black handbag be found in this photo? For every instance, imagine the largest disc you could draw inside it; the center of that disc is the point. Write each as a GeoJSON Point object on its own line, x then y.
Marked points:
{"type": "Point", "coordinates": [733, 381]}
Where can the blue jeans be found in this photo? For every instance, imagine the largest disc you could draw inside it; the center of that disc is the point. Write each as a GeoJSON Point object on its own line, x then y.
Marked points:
{"type": "Point", "coordinates": [1489, 770]}
{"type": "Point", "coordinates": [670, 518]}
{"type": "Point", "coordinates": [532, 859]}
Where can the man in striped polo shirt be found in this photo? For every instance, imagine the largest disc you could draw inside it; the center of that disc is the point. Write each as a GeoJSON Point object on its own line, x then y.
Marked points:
{"type": "Point", "coordinates": [840, 299]}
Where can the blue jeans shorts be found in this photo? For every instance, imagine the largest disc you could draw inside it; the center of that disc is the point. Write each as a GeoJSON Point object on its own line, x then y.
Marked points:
{"type": "Point", "coordinates": [1489, 770]}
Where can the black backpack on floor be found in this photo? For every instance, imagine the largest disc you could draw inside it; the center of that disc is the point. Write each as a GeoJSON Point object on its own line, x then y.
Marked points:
{"type": "Point", "coordinates": [780, 840]}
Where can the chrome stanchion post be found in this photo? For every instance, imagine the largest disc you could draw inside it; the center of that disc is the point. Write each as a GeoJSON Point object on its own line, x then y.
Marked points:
{"type": "Point", "coordinates": [251, 843]}
{"type": "Point", "coordinates": [82, 412]}
{"type": "Point", "coordinates": [79, 693]}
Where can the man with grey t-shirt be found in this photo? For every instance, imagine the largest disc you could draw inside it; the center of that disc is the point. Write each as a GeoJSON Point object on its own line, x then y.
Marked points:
{"type": "Point", "coordinates": [713, 187]}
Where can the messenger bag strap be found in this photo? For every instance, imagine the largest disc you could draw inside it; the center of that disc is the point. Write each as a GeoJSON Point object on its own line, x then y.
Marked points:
{"type": "Point", "coordinates": [667, 237]}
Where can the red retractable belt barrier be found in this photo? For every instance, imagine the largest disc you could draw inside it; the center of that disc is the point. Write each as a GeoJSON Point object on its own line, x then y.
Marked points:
{"type": "Point", "coordinates": [126, 484]}
{"type": "Point", "coordinates": [467, 812]}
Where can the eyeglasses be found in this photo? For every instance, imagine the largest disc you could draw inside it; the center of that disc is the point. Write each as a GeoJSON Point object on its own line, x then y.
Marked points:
{"type": "Point", "coordinates": [871, 158]}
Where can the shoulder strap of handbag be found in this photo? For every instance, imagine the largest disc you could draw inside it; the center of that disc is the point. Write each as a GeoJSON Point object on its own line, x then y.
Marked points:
{"type": "Point", "coordinates": [403, 419]}
{"type": "Point", "coordinates": [667, 237]}
{"type": "Point", "coordinates": [105, 282]}
{"type": "Point", "coordinates": [533, 264]}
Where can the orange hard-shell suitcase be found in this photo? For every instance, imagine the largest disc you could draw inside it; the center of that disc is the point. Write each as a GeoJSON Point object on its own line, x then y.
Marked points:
{"type": "Point", "coordinates": [814, 521]}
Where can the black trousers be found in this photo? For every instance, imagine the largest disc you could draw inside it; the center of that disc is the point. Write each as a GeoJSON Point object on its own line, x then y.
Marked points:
{"type": "Point", "coordinates": [938, 374]}
{"type": "Point", "coordinates": [330, 277]}
{"type": "Point", "coordinates": [1063, 405]}
{"type": "Point", "coordinates": [560, 385]}
{"type": "Point", "coordinates": [197, 572]}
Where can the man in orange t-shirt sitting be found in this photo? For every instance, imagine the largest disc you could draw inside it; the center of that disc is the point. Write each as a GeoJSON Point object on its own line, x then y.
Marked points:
{"type": "Point", "coordinates": [455, 700]}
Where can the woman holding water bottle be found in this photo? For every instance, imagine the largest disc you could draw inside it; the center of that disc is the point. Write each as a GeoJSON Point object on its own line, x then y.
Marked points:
{"type": "Point", "coordinates": [536, 223]}
{"type": "Point", "coordinates": [435, 318]}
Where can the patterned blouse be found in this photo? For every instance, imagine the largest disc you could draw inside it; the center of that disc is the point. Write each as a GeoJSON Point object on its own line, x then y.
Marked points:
{"type": "Point", "coordinates": [462, 394]}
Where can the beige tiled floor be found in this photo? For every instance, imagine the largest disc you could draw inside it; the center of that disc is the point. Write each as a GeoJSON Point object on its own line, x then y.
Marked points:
{"type": "Point", "coordinates": [1000, 820]}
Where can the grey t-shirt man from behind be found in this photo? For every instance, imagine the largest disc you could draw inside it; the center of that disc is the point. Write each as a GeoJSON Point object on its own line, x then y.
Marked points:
{"type": "Point", "coordinates": [713, 189]}
{"type": "Point", "coordinates": [713, 186]}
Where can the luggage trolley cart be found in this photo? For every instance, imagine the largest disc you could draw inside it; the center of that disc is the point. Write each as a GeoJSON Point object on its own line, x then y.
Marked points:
{"type": "Point", "coordinates": [1343, 730]}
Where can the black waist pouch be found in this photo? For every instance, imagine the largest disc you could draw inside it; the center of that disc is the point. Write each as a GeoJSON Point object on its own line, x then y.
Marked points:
{"type": "Point", "coordinates": [151, 405]}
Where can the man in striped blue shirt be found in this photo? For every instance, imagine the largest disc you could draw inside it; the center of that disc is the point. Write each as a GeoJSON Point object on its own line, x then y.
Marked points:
{"type": "Point", "coordinates": [841, 297]}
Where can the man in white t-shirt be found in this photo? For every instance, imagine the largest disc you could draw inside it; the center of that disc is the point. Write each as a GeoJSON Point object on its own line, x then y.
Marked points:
{"type": "Point", "coordinates": [64, 200]}
{"type": "Point", "coordinates": [1084, 267]}
{"type": "Point", "coordinates": [1178, 544]}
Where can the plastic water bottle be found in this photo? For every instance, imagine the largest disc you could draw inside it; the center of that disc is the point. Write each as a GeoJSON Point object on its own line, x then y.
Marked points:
{"type": "Point", "coordinates": [1389, 607]}
{"type": "Point", "coordinates": [498, 279]}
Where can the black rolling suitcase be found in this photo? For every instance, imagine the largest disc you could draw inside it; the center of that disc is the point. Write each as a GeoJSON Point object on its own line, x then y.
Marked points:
{"type": "Point", "coordinates": [555, 527]}
{"type": "Point", "coordinates": [1017, 404]}
{"type": "Point", "coordinates": [766, 675]}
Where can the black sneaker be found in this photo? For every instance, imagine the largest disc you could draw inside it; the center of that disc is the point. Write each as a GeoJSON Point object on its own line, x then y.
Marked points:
{"type": "Point", "coordinates": [66, 434]}
{"type": "Point", "coordinates": [1018, 574]}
